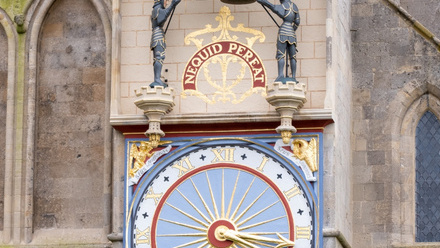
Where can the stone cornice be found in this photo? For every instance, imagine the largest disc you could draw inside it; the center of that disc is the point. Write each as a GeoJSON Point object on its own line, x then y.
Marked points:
{"type": "Point", "coordinates": [419, 27]}
{"type": "Point", "coordinates": [303, 114]}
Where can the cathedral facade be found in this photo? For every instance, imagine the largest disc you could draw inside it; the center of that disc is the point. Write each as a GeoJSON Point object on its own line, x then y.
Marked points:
{"type": "Point", "coordinates": [343, 152]}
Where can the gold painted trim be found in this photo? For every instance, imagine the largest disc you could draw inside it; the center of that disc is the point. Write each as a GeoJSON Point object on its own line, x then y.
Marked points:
{"type": "Point", "coordinates": [232, 131]}
{"type": "Point", "coordinates": [309, 190]}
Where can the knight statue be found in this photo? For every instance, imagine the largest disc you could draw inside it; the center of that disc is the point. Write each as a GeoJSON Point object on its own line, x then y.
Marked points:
{"type": "Point", "coordinates": [158, 17]}
{"type": "Point", "coordinates": [286, 43]}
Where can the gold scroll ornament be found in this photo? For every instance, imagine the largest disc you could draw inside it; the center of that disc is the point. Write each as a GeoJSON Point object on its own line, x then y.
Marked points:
{"type": "Point", "coordinates": [224, 91]}
{"type": "Point", "coordinates": [306, 151]}
{"type": "Point", "coordinates": [140, 154]}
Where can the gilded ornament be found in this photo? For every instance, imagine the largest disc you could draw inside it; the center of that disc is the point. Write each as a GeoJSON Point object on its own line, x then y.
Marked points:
{"type": "Point", "coordinates": [140, 154]}
{"type": "Point", "coordinates": [306, 151]}
{"type": "Point", "coordinates": [224, 50]}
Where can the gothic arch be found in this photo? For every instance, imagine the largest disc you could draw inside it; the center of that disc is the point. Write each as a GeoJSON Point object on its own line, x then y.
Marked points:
{"type": "Point", "coordinates": [409, 105]}
{"type": "Point", "coordinates": [11, 34]}
{"type": "Point", "coordinates": [35, 17]}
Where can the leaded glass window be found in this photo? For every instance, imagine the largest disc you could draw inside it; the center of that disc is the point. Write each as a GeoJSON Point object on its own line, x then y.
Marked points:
{"type": "Point", "coordinates": [428, 179]}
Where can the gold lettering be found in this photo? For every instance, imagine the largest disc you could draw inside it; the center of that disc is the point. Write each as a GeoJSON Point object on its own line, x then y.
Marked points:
{"type": "Point", "coordinates": [190, 79]}
{"type": "Point", "coordinates": [151, 195]}
{"type": "Point", "coordinates": [199, 62]}
{"type": "Point", "coordinates": [263, 163]}
{"type": "Point", "coordinates": [223, 155]}
{"type": "Point", "coordinates": [304, 232]}
{"type": "Point", "coordinates": [217, 48]}
{"type": "Point", "coordinates": [181, 166]}
{"type": "Point", "coordinates": [292, 192]}
{"type": "Point", "coordinates": [240, 49]}
{"type": "Point", "coordinates": [248, 55]}
{"type": "Point", "coordinates": [145, 233]}
{"type": "Point", "coordinates": [256, 71]}
{"type": "Point", "coordinates": [254, 61]}
{"type": "Point", "coordinates": [232, 47]}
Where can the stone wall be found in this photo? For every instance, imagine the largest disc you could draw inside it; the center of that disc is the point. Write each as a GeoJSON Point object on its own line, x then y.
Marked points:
{"type": "Point", "coordinates": [393, 67]}
{"type": "Point", "coordinates": [3, 90]}
{"type": "Point", "coordinates": [337, 136]}
{"type": "Point", "coordinates": [192, 15]}
{"type": "Point", "coordinates": [69, 176]}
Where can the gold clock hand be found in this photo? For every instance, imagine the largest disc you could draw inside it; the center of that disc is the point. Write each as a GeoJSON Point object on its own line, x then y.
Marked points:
{"type": "Point", "coordinates": [281, 242]}
{"type": "Point", "coordinates": [231, 235]}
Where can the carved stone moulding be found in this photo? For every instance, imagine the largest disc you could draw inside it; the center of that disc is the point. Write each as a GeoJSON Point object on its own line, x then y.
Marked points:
{"type": "Point", "coordinates": [237, 1]}
{"type": "Point", "coordinates": [155, 102]}
{"type": "Point", "coordinates": [287, 99]}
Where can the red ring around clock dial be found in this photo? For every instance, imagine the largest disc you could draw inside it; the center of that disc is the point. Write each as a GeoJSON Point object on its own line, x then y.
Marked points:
{"type": "Point", "coordinates": [214, 233]}
{"type": "Point", "coordinates": [220, 225]}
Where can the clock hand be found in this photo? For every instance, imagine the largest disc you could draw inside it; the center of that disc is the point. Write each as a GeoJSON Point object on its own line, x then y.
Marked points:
{"type": "Point", "coordinates": [233, 237]}
{"type": "Point", "coordinates": [281, 242]}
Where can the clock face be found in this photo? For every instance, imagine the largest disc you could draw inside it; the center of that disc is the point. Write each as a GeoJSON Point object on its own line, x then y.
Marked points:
{"type": "Point", "coordinates": [222, 196]}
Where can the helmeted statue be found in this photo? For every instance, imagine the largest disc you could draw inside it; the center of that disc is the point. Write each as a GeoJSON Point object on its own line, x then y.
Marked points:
{"type": "Point", "coordinates": [286, 43]}
{"type": "Point", "coordinates": [158, 17]}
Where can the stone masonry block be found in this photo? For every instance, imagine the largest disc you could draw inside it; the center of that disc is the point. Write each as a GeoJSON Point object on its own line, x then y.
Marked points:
{"type": "Point", "coordinates": [317, 99]}
{"type": "Point", "coordinates": [128, 39]}
{"type": "Point", "coordinates": [258, 19]}
{"type": "Point", "coordinates": [302, 5]}
{"type": "Point", "coordinates": [131, 9]}
{"type": "Point", "coordinates": [363, 9]}
{"type": "Point", "coordinates": [316, 84]}
{"type": "Point", "coordinates": [197, 21]}
{"type": "Point", "coordinates": [93, 75]}
{"type": "Point", "coordinates": [316, 17]}
{"type": "Point", "coordinates": [143, 38]}
{"type": "Point", "coordinates": [313, 67]}
{"type": "Point", "coordinates": [53, 30]}
{"type": "Point", "coordinates": [320, 49]}
{"type": "Point", "coordinates": [376, 157]}
{"type": "Point", "coordinates": [135, 23]}
{"type": "Point", "coordinates": [313, 33]}
{"type": "Point", "coordinates": [135, 55]}
{"type": "Point", "coordinates": [318, 4]}
{"type": "Point", "coordinates": [306, 50]}
{"type": "Point", "coordinates": [136, 73]}
{"type": "Point", "coordinates": [198, 6]}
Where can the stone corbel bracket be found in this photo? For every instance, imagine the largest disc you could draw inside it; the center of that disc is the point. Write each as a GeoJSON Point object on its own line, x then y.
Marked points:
{"type": "Point", "coordinates": [155, 102]}
{"type": "Point", "coordinates": [287, 99]}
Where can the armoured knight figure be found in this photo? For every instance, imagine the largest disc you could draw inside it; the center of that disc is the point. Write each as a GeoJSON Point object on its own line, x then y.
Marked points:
{"type": "Point", "coordinates": [158, 17]}
{"type": "Point", "coordinates": [286, 43]}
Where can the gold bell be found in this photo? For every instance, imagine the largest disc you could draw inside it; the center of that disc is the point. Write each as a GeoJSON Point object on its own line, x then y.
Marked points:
{"type": "Point", "coordinates": [237, 1]}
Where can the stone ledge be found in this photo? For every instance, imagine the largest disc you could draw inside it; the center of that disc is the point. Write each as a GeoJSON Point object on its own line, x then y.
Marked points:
{"type": "Point", "coordinates": [303, 114]}
{"type": "Point", "coordinates": [417, 245]}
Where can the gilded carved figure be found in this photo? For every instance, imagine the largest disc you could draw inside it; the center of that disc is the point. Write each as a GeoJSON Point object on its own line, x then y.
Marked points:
{"type": "Point", "coordinates": [159, 16]}
{"type": "Point", "coordinates": [306, 151]}
{"type": "Point", "coordinates": [138, 156]}
{"type": "Point", "coordinates": [286, 42]}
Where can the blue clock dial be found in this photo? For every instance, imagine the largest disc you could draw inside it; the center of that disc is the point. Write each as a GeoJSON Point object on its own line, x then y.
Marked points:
{"type": "Point", "coordinates": [222, 196]}
{"type": "Point", "coordinates": [214, 196]}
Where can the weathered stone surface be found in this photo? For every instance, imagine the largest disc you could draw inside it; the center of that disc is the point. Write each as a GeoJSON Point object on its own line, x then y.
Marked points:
{"type": "Point", "coordinates": [391, 63]}
{"type": "Point", "coordinates": [70, 109]}
{"type": "Point", "coordinates": [3, 90]}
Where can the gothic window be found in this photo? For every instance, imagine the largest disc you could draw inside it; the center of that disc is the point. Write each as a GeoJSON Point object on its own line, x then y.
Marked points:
{"type": "Point", "coordinates": [428, 179]}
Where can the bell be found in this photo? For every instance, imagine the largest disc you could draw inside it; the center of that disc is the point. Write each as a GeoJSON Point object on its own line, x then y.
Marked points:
{"type": "Point", "coordinates": [238, 1]}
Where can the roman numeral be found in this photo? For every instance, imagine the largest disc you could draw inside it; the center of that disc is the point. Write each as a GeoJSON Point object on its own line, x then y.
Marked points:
{"type": "Point", "coordinates": [304, 232]}
{"type": "Point", "coordinates": [143, 237]}
{"type": "Point", "coordinates": [183, 166]}
{"type": "Point", "coordinates": [263, 163]}
{"type": "Point", "coordinates": [151, 195]}
{"type": "Point", "coordinates": [223, 155]}
{"type": "Point", "coordinates": [292, 192]}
